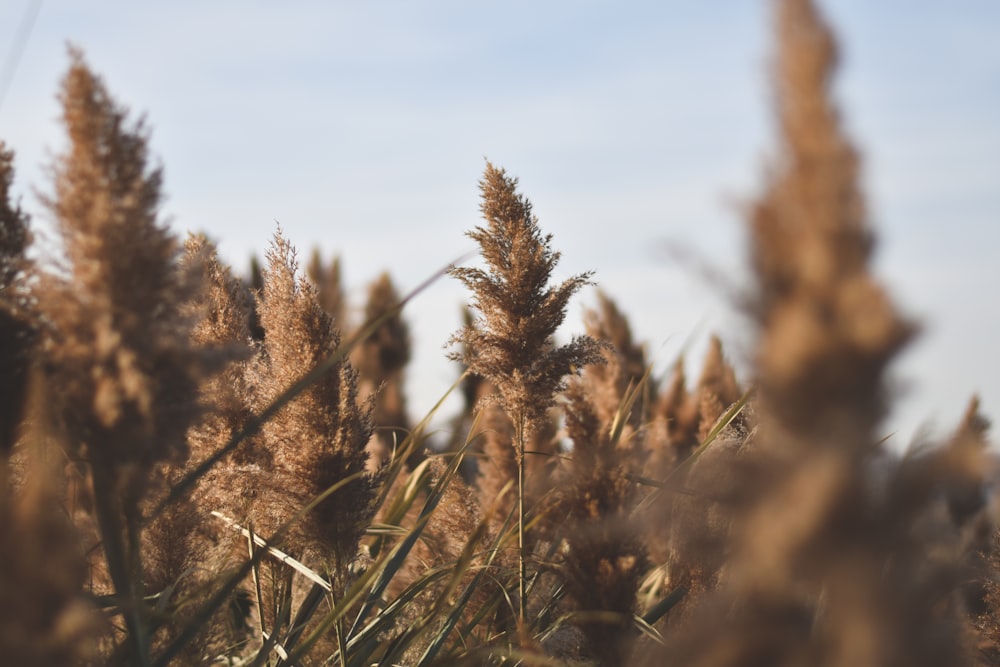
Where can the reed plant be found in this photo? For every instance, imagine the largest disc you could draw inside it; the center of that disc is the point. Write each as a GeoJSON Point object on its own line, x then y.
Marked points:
{"type": "Point", "coordinates": [511, 344]}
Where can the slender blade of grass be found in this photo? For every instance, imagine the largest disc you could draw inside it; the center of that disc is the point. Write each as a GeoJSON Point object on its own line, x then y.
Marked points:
{"type": "Point", "coordinates": [402, 550]}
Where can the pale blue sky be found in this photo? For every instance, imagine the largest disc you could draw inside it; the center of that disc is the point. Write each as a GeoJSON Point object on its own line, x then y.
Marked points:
{"type": "Point", "coordinates": [362, 128]}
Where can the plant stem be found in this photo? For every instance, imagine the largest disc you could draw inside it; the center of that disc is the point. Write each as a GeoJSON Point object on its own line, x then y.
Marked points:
{"type": "Point", "coordinates": [522, 574]}
{"type": "Point", "coordinates": [109, 524]}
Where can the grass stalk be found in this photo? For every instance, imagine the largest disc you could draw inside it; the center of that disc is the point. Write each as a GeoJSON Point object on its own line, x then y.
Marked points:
{"type": "Point", "coordinates": [522, 569]}
{"type": "Point", "coordinates": [125, 581]}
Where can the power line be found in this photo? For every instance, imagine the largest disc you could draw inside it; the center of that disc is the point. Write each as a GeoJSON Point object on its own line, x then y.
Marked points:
{"type": "Point", "coordinates": [21, 37]}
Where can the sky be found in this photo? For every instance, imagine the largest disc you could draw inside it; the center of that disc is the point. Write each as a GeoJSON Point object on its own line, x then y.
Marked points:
{"type": "Point", "coordinates": [637, 129]}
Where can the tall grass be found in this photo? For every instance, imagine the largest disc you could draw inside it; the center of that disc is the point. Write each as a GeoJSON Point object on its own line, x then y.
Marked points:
{"type": "Point", "coordinates": [200, 469]}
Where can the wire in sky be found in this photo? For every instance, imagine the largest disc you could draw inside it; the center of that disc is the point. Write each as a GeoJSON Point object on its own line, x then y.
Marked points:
{"type": "Point", "coordinates": [31, 12]}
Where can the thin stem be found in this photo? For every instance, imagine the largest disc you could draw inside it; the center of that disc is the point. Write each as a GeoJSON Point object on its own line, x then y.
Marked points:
{"type": "Point", "coordinates": [109, 524]}
{"type": "Point", "coordinates": [522, 574]}
{"type": "Point", "coordinates": [341, 644]}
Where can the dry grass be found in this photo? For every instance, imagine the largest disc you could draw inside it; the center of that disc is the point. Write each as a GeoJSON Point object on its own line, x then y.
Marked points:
{"type": "Point", "coordinates": [195, 469]}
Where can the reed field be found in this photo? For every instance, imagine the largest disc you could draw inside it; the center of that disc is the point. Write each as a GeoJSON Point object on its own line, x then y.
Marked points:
{"type": "Point", "coordinates": [202, 467]}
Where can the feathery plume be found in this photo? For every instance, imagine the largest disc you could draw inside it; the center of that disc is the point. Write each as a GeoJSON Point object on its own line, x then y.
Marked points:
{"type": "Point", "coordinates": [674, 428]}
{"type": "Point", "coordinates": [318, 438]}
{"type": "Point", "coordinates": [223, 313]}
{"type": "Point", "coordinates": [604, 558]}
{"type": "Point", "coordinates": [185, 551]}
{"type": "Point", "coordinates": [16, 331]}
{"type": "Point", "coordinates": [330, 287]}
{"type": "Point", "coordinates": [624, 366]}
{"type": "Point", "coordinates": [381, 361]}
{"type": "Point", "coordinates": [474, 390]}
{"type": "Point", "coordinates": [826, 569]}
{"type": "Point", "coordinates": [511, 343]}
{"type": "Point", "coordinates": [255, 283]}
{"type": "Point", "coordinates": [830, 330]}
{"type": "Point", "coordinates": [14, 232]}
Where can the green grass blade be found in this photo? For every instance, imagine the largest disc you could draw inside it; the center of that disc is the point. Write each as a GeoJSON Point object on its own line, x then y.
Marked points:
{"type": "Point", "coordinates": [660, 609]}
{"type": "Point", "coordinates": [221, 595]}
{"type": "Point", "coordinates": [459, 607]}
{"type": "Point", "coordinates": [402, 550]}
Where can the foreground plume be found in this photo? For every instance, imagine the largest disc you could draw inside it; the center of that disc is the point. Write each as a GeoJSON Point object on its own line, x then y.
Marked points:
{"type": "Point", "coordinates": [828, 567]}
{"type": "Point", "coordinates": [43, 618]}
{"type": "Point", "coordinates": [118, 340]}
{"type": "Point", "coordinates": [122, 372]}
